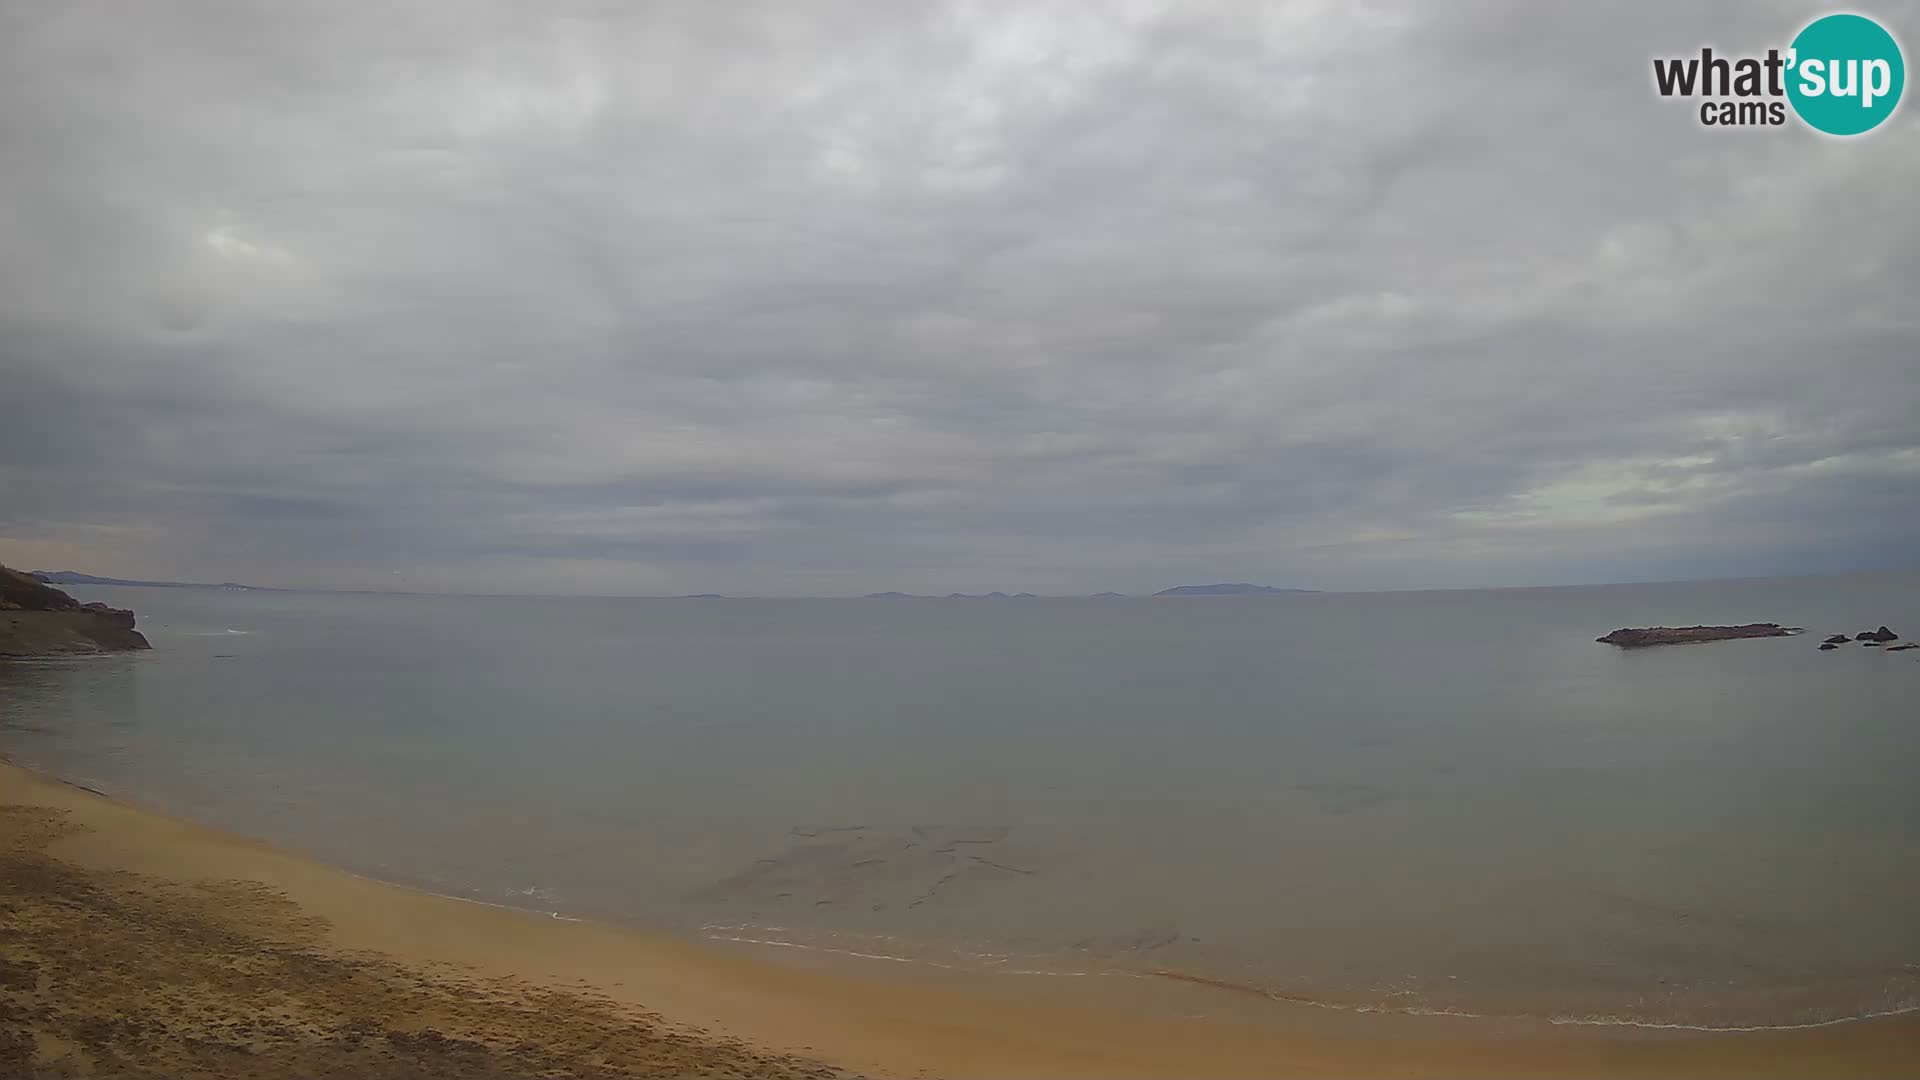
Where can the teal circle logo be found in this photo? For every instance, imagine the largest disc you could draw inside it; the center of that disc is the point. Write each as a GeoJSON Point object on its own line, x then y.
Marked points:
{"type": "Point", "coordinates": [1846, 74]}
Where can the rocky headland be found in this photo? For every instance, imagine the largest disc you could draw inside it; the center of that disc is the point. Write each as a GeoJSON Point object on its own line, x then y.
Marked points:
{"type": "Point", "coordinates": [37, 619]}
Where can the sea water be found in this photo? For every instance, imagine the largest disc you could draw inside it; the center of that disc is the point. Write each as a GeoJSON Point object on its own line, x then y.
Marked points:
{"type": "Point", "coordinates": [1422, 801]}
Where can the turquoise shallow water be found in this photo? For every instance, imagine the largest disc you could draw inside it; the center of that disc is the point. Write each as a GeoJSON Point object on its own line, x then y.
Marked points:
{"type": "Point", "coordinates": [1451, 801]}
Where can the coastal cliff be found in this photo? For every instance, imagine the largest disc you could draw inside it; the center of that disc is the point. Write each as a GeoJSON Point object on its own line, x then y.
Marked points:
{"type": "Point", "coordinates": [40, 620]}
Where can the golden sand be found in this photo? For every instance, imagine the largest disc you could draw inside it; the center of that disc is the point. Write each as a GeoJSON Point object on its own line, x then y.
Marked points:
{"type": "Point", "coordinates": [133, 944]}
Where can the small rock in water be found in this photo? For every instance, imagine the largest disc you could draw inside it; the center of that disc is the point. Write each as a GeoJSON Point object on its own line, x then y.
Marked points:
{"type": "Point", "coordinates": [1838, 639]}
{"type": "Point", "coordinates": [1904, 648]}
{"type": "Point", "coordinates": [1870, 644]}
{"type": "Point", "coordinates": [1828, 646]}
{"type": "Point", "coordinates": [1885, 634]}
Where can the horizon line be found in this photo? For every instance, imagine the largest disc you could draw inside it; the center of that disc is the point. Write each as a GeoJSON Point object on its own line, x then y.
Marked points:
{"type": "Point", "coordinates": [129, 583]}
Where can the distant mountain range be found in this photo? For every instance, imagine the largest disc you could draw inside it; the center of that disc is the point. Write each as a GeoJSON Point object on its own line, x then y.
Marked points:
{"type": "Point", "coordinates": [1224, 589]}
{"type": "Point", "coordinates": [74, 577]}
{"type": "Point", "coordinates": [952, 596]}
{"type": "Point", "coordinates": [1235, 589]}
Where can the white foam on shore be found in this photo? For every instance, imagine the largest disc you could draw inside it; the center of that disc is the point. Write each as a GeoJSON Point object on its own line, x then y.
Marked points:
{"type": "Point", "coordinates": [988, 962]}
{"type": "Point", "coordinates": [462, 899]}
{"type": "Point", "coordinates": [1612, 1021]}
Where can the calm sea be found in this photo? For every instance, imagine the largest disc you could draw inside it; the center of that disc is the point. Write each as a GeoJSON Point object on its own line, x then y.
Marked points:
{"type": "Point", "coordinates": [1426, 801]}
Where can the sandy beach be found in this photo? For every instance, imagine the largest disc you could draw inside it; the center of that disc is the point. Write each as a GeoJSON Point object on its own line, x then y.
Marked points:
{"type": "Point", "coordinates": [135, 944]}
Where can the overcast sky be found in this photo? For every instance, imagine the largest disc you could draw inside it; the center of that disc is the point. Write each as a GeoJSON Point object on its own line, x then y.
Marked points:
{"type": "Point", "coordinates": [812, 298]}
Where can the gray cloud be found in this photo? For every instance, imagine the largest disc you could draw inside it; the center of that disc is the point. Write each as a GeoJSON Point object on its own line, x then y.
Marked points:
{"type": "Point", "coordinates": [826, 298]}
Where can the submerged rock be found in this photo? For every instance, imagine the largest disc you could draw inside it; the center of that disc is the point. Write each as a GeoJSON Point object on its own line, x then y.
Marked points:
{"type": "Point", "coordinates": [1628, 638]}
{"type": "Point", "coordinates": [1828, 646]}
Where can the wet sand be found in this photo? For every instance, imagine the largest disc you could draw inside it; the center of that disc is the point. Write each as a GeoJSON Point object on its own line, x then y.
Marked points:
{"type": "Point", "coordinates": [133, 944]}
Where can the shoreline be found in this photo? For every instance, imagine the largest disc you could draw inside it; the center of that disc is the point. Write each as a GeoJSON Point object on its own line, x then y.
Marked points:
{"type": "Point", "coordinates": [1483, 1012]}
{"type": "Point", "coordinates": [1153, 990]}
{"type": "Point", "coordinates": [819, 1010]}
{"type": "Point", "coordinates": [1157, 990]}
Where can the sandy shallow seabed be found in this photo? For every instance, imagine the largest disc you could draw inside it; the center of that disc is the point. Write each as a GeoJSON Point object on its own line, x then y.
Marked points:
{"type": "Point", "coordinates": [133, 944]}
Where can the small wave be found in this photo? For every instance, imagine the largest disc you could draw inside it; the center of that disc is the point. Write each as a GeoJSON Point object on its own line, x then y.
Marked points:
{"type": "Point", "coordinates": [778, 944]}
{"type": "Point", "coordinates": [497, 904]}
{"type": "Point", "coordinates": [524, 910]}
{"type": "Point", "coordinates": [963, 960]}
{"type": "Point", "coordinates": [1559, 1020]}
{"type": "Point", "coordinates": [1616, 1021]}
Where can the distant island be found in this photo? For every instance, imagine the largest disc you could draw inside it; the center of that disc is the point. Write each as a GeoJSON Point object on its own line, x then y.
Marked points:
{"type": "Point", "coordinates": [952, 596]}
{"type": "Point", "coordinates": [1223, 589]}
{"type": "Point", "coordinates": [74, 577]}
{"type": "Point", "coordinates": [1233, 589]}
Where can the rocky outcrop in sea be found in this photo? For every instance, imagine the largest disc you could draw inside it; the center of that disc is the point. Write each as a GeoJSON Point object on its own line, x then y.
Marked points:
{"type": "Point", "coordinates": [1629, 638]}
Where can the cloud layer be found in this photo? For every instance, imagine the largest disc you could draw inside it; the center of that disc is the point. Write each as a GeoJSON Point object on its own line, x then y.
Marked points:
{"type": "Point", "coordinates": [804, 299]}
